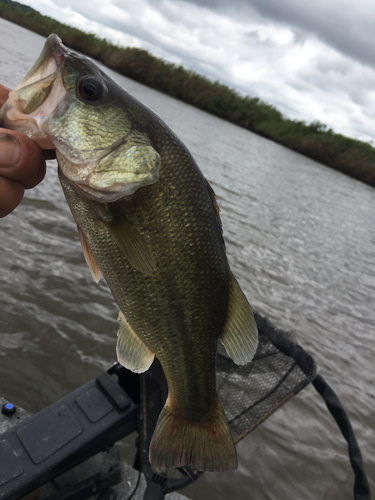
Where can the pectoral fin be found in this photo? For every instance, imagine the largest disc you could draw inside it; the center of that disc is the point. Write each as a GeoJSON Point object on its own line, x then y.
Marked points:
{"type": "Point", "coordinates": [131, 243]}
{"type": "Point", "coordinates": [240, 333]}
{"type": "Point", "coordinates": [132, 353]}
{"type": "Point", "coordinates": [89, 258]}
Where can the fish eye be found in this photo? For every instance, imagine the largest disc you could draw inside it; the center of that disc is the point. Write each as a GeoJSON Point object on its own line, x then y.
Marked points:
{"type": "Point", "coordinates": [90, 89]}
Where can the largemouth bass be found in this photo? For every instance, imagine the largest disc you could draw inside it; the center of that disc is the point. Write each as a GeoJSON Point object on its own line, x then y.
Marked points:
{"type": "Point", "coordinates": [149, 222]}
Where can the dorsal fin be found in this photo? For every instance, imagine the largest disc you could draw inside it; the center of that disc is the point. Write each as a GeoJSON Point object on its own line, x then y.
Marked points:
{"type": "Point", "coordinates": [215, 204]}
{"type": "Point", "coordinates": [131, 243]}
{"type": "Point", "coordinates": [132, 353]}
{"type": "Point", "coordinates": [89, 258]}
{"type": "Point", "coordinates": [240, 333]}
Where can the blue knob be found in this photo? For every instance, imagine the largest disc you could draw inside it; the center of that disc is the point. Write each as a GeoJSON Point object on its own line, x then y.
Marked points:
{"type": "Point", "coordinates": [8, 409]}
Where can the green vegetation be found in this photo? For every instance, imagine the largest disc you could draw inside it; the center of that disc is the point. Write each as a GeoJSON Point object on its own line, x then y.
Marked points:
{"type": "Point", "coordinates": [18, 5]}
{"type": "Point", "coordinates": [350, 156]}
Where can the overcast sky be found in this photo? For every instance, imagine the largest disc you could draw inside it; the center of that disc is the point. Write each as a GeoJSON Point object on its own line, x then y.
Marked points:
{"type": "Point", "coordinates": [312, 59]}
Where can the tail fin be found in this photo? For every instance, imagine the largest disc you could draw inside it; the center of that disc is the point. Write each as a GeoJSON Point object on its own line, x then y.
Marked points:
{"type": "Point", "coordinates": [206, 445]}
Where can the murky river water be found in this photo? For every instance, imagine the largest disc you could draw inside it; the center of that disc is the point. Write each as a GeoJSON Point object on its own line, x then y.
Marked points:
{"type": "Point", "coordinates": [300, 239]}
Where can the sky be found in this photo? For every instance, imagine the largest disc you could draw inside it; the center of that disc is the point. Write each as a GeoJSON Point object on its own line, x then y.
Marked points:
{"type": "Point", "coordinates": [312, 60]}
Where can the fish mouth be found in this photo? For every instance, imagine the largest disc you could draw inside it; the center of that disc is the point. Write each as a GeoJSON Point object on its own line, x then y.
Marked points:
{"type": "Point", "coordinates": [48, 63]}
{"type": "Point", "coordinates": [34, 89]}
{"type": "Point", "coordinates": [29, 106]}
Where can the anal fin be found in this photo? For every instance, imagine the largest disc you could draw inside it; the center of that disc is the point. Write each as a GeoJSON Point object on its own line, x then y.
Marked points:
{"type": "Point", "coordinates": [89, 258]}
{"type": "Point", "coordinates": [240, 333]}
{"type": "Point", "coordinates": [132, 353]}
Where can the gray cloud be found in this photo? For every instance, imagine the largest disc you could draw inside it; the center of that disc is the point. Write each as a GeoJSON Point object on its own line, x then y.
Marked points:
{"type": "Point", "coordinates": [347, 26]}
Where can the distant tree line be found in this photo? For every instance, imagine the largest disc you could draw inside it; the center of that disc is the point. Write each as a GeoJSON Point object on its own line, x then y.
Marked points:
{"type": "Point", "coordinates": [314, 140]}
{"type": "Point", "coordinates": [18, 5]}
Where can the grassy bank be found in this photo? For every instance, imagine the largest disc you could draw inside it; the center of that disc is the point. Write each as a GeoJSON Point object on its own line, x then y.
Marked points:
{"type": "Point", "coordinates": [350, 156]}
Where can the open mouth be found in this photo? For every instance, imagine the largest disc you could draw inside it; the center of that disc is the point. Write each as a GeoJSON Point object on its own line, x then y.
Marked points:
{"type": "Point", "coordinates": [35, 99]}
{"type": "Point", "coordinates": [50, 60]}
{"type": "Point", "coordinates": [34, 89]}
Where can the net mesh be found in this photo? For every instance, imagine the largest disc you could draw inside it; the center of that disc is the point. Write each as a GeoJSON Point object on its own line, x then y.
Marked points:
{"type": "Point", "coordinates": [250, 393]}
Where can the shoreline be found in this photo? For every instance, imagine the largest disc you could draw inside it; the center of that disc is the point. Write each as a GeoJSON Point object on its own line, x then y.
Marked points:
{"type": "Point", "coordinates": [352, 157]}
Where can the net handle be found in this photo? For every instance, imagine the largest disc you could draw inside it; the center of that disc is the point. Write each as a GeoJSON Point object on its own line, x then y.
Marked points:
{"type": "Point", "coordinates": [361, 486]}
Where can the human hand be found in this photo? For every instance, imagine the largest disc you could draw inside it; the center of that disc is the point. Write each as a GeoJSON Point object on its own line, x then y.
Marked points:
{"type": "Point", "coordinates": [22, 164]}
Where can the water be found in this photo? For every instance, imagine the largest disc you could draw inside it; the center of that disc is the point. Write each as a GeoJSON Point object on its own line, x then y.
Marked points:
{"type": "Point", "coordinates": [300, 239]}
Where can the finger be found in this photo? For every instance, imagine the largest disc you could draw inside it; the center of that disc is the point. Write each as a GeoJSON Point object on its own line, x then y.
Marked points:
{"type": "Point", "coordinates": [11, 193]}
{"type": "Point", "coordinates": [4, 92]}
{"type": "Point", "coordinates": [21, 159]}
